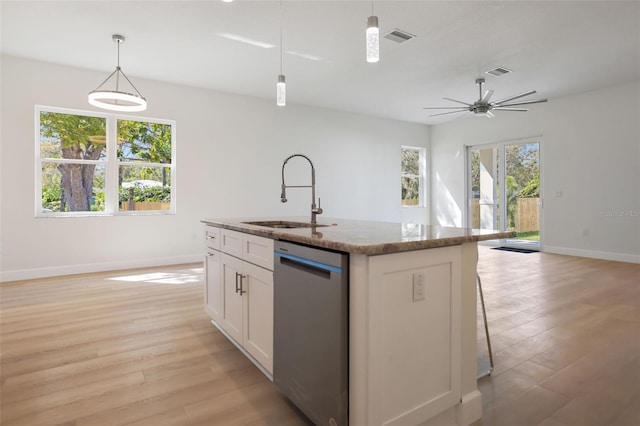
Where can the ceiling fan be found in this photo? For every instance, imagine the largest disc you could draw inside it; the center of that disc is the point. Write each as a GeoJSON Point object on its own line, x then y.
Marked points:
{"type": "Point", "coordinates": [483, 107]}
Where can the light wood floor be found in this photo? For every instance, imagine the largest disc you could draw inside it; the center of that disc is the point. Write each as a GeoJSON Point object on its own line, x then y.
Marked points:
{"type": "Point", "coordinates": [135, 348]}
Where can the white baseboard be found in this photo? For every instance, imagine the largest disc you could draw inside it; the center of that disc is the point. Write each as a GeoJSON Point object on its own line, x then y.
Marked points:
{"type": "Point", "coordinates": [594, 254]}
{"type": "Point", "coordinates": [54, 271]}
{"type": "Point", "coordinates": [470, 408]}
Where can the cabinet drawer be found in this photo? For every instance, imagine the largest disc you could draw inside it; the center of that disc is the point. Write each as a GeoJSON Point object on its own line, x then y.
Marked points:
{"type": "Point", "coordinates": [250, 248]}
{"type": "Point", "coordinates": [212, 237]}
{"type": "Point", "coordinates": [231, 242]}
{"type": "Point", "coordinates": [258, 250]}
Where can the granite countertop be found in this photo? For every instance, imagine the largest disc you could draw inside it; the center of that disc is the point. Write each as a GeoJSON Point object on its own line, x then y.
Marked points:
{"type": "Point", "coordinates": [362, 237]}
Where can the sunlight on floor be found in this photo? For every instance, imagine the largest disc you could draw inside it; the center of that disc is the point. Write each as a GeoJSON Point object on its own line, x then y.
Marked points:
{"type": "Point", "coordinates": [185, 276]}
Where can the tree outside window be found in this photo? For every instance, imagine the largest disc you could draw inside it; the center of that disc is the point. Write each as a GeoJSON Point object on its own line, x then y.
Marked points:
{"type": "Point", "coordinates": [413, 172]}
{"type": "Point", "coordinates": [83, 169]}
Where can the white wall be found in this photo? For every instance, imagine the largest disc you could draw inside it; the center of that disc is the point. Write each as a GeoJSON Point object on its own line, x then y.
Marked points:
{"type": "Point", "coordinates": [230, 151]}
{"type": "Point", "coordinates": [590, 153]}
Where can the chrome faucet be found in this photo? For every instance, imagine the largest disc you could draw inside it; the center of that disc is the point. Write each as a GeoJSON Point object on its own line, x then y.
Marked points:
{"type": "Point", "coordinates": [283, 196]}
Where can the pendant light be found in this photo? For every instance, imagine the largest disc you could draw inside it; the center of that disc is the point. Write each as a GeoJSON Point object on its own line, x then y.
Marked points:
{"type": "Point", "coordinates": [117, 100]}
{"type": "Point", "coordinates": [373, 38]}
{"type": "Point", "coordinates": [281, 86]}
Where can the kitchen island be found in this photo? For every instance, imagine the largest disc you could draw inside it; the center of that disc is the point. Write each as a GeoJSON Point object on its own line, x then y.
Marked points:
{"type": "Point", "coordinates": [412, 313]}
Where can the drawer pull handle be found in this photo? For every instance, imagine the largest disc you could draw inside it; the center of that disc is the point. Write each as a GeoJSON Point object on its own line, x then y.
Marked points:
{"type": "Point", "coordinates": [211, 237]}
{"type": "Point", "coordinates": [211, 254]}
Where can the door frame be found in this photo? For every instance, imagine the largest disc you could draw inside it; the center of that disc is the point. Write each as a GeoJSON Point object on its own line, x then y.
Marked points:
{"type": "Point", "coordinates": [499, 149]}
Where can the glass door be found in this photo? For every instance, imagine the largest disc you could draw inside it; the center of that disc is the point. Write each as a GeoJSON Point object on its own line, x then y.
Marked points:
{"type": "Point", "coordinates": [521, 192]}
{"type": "Point", "coordinates": [503, 182]}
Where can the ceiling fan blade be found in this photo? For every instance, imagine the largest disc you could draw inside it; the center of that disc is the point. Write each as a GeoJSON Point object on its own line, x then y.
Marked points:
{"type": "Point", "coordinates": [450, 112]}
{"type": "Point", "coordinates": [460, 102]}
{"type": "Point", "coordinates": [511, 98]}
{"type": "Point", "coordinates": [460, 108]}
{"type": "Point", "coordinates": [537, 101]}
{"type": "Point", "coordinates": [486, 97]}
{"type": "Point", "coordinates": [509, 109]}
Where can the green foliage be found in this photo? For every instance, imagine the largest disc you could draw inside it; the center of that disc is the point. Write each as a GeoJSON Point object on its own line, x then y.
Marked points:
{"type": "Point", "coordinates": [156, 193]}
{"type": "Point", "coordinates": [86, 135]}
{"type": "Point", "coordinates": [532, 190]}
{"type": "Point", "coordinates": [51, 196]}
{"type": "Point", "coordinates": [410, 167]}
{"type": "Point", "coordinates": [512, 201]}
{"type": "Point", "coordinates": [79, 137]}
{"type": "Point", "coordinates": [149, 142]}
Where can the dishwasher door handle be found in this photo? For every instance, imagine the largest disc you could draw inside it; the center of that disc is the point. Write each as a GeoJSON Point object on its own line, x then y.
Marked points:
{"type": "Point", "coordinates": [308, 262]}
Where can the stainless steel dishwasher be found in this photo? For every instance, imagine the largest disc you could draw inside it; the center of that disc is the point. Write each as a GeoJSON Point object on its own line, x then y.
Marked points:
{"type": "Point", "coordinates": [311, 331]}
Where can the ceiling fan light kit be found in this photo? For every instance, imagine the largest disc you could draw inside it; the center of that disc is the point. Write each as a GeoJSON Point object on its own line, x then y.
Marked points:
{"type": "Point", "coordinates": [117, 100]}
{"type": "Point", "coordinates": [483, 108]}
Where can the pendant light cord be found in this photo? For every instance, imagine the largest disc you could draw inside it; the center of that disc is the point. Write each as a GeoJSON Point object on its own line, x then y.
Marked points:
{"type": "Point", "coordinates": [118, 68]}
{"type": "Point", "coordinates": [280, 37]}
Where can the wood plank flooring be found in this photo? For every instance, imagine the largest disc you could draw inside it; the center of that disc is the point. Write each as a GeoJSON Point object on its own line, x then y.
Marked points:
{"type": "Point", "coordinates": [565, 333]}
{"type": "Point", "coordinates": [136, 348]}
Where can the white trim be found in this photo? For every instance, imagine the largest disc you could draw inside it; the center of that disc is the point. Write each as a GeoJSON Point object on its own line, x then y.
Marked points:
{"type": "Point", "coordinates": [594, 254]}
{"type": "Point", "coordinates": [53, 271]}
{"type": "Point", "coordinates": [470, 408]}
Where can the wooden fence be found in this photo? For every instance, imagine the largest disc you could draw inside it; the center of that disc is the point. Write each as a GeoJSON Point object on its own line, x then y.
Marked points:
{"type": "Point", "coordinates": [527, 215]}
{"type": "Point", "coordinates": [144, 205]}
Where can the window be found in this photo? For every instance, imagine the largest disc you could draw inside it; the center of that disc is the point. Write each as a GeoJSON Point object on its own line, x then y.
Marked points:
{"type": "Point", "coordinates": [101, 164]}
{"type": "Point", "coordinates": [413, 173]}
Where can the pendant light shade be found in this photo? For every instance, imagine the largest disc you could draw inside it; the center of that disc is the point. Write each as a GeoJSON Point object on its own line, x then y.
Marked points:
{"type": "Point", "coordinates": [373, 39]}
{"type": "Point", "coordinates": [281, 91]}
{"type": "Point", "coordinates": [281, 86]}
{"type": "Point", "coordinates": [116, 99]}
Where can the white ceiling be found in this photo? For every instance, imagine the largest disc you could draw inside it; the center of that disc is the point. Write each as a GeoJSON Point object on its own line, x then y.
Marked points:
{"type": "Point", "coordinates": [555, 47]}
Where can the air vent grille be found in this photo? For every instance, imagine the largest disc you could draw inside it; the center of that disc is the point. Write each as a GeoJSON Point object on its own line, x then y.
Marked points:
{"type": "Point", "coordinates": [399, 36]}
{"type": "Point", "coordinates": [499, 71]}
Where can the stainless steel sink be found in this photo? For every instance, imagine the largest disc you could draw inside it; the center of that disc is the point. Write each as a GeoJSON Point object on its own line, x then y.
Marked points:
{"type": "Point", "coordinates": [283, 224]}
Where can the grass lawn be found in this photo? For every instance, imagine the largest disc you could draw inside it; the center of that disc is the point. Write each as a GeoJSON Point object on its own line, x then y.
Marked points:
{"type": "Point", "coordinates": [530, 236]}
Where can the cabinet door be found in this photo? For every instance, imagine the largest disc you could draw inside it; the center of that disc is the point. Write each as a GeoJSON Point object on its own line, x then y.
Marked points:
{"type": "Point", "coordinates": [213, 288]}
{"type": "Point", "coordinates": [258, 321]}
{"type": "Point", "coordinates": [232, 309]}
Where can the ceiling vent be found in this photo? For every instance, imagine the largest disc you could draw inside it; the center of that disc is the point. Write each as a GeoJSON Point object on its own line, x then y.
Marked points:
{"type": "Point", "coordinates": [399, 36]}
{"type": "Point", "coordinates": [499, 71]}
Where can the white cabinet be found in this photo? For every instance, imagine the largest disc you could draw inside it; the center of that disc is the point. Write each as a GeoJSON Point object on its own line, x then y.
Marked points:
{"type": "Point", "coordinates": [406, 351]}
{"type": "Point", "coordinates": [213, 289]}
{"type": "Point", "coordinates": [240, 293]}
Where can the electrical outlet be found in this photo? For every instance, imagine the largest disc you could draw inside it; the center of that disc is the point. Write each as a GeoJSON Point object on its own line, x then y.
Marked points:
{"type": "Point", "coordinates": [418, 286]}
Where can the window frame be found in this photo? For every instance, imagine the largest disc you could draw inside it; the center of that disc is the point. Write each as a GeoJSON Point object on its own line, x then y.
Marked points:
{"type": "Point", "coordinates": [111, 164]}
{"type": "Point", "coordinates": [422, 175]}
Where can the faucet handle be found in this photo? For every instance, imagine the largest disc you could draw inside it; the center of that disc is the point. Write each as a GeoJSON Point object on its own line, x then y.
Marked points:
{"type": "Point", "coordinates": [319, 209]}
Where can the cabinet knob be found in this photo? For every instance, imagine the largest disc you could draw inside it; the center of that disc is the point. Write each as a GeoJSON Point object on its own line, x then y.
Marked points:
{"type": "Point", "coordinates": [211, 254]}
